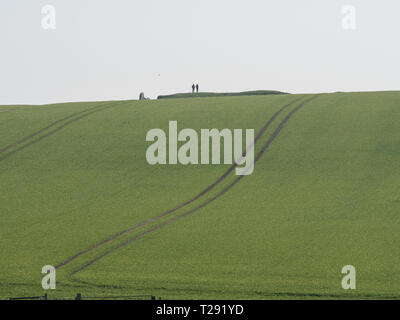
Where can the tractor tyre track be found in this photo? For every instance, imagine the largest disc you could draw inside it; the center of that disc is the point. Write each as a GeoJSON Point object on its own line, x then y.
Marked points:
{"type": "Point", "coordinates": [50, 133]}
{"type": "Point", "coordinates": [44, 129]}
{"type": "Point", "coordinates": [194, 210]}
{"type": "Point", "coordinates": [184, 204]}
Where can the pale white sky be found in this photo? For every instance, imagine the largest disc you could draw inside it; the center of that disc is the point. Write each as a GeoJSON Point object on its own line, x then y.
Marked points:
{"type": "Point", "coordinates": [114, 49]}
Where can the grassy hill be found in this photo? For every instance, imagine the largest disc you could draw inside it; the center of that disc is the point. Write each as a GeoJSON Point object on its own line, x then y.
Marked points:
{"type": "Point", "coordinates": [221, 94]}
{"type": "Point", "coordinates": [323, 195]}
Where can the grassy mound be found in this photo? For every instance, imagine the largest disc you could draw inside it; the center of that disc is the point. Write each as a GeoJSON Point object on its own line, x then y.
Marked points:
{"type": "Point", "coordinates": [215, 94]}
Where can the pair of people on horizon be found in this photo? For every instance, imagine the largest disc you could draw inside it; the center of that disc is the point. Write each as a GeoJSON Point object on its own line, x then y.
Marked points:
{"type": "Point", "coordinates": [195, 87]}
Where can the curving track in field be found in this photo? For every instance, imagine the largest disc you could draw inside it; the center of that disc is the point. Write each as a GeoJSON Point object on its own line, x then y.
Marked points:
{"type": "Point", "coordinates": [29, 140]}
{"type": "Point", "coordinates": [182, 205]}
{"type": "Point", "coordinates": [205, 191]}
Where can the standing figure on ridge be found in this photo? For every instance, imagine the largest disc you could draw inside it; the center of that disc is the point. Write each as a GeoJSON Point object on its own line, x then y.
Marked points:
{"type": "Point", "coordinates": [197, 88]}
{"type": "Point", "coordinates": [193, 87]}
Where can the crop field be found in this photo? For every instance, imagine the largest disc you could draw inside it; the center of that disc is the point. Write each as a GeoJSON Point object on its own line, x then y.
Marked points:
{"type": "Point", "coordinates": [76, 192]}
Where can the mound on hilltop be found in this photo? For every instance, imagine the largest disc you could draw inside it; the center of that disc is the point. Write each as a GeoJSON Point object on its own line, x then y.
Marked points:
{"type": "Point", "coordinates": [222, 94]}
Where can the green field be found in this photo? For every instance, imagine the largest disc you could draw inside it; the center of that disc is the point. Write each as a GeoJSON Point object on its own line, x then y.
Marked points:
{"type": "Point", "coordinates": [325, 194]}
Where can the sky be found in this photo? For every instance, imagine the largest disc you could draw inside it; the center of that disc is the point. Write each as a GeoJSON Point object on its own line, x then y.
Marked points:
{"type": "Point", "coordinates": [115, 49]}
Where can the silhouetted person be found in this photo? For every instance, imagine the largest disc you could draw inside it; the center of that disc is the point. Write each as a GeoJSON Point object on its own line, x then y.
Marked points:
{"type": "Point", "coordinates": [197, 88]}
{"type": "Point", "coordinates": [193, 87]}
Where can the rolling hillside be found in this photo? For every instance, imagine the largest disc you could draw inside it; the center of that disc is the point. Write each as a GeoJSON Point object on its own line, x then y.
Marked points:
{"type": "Point", "coordinates": [76, 192]}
